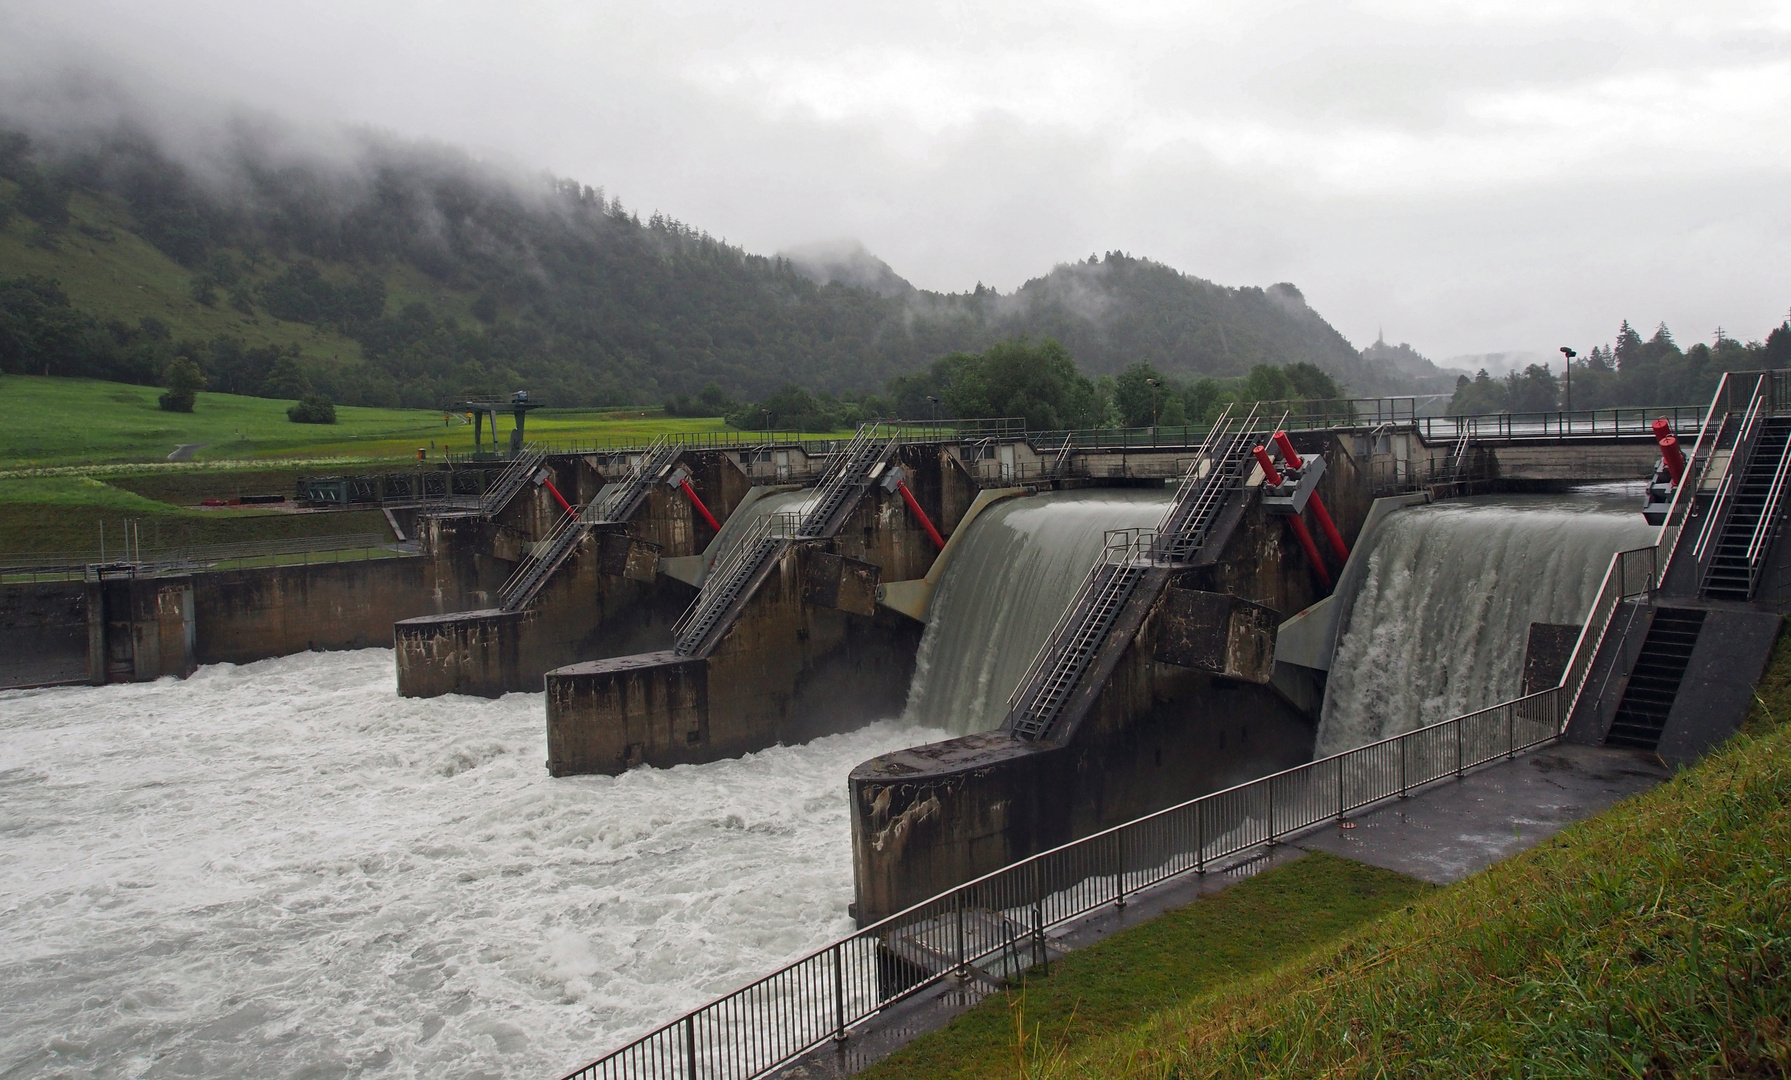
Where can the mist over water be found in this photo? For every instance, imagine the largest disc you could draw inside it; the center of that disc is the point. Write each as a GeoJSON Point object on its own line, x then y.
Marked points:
{"type": "Point", "coordinates": [284, 869]}
{"type": "Point", "coordinates": [1008, 582]}
{"type": "Point", "coordinates": [1438, 626]}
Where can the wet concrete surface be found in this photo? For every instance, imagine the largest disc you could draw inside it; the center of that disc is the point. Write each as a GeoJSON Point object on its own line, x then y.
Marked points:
{"type": "Point", "coordinates": [1454, 828]}
{"type": "Point", "coordinates": [1442, 833]}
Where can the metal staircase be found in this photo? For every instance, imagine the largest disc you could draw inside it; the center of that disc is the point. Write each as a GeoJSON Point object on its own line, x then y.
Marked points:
{"type": "Point", "coordinates": [1654, 681]}
{"type": "Point", "coordinates": [613, 505]}
{"type": "Point", "coordinates": [1220, 467]}
{"type": "Point", "coordinates": [511, 480]}
{"type": "Point", "coordinates": [847, 475]}
{"type": "Point", "coordinates": [1225, 457]}
{"type": "Point", "coordinates": [617, 501]}
{"type": "Point", "coordinates": [729, 579]}
{"type": "Point", "coordinates": [1459, 459]}
{"type": "Point", "coordinates": [1753, 500]}
{"type": "Point", "coordinates": [1072, 645]}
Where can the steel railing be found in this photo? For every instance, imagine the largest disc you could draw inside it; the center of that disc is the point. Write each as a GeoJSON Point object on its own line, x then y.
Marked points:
{"type": "Point", "coordinates": [1351, 413]}
{"type": "Point", "coordinates": [995, 925]}
{"type": "Point", "coordinates": [729, 578]}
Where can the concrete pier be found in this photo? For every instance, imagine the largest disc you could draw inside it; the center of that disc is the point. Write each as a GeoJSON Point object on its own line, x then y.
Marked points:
{"type": "Point", "coordinates": [1175, 703]}
{"type": "Point", "coordinates": [805, 650]}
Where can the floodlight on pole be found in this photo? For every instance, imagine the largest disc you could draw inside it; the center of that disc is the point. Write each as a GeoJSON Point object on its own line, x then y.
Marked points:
{"type": "Point", "coordinates": [1567, 356]}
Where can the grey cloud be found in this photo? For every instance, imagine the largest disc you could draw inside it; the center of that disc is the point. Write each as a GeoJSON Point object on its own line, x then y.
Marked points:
{"type": "Point", "coordinates": [1477, 178]}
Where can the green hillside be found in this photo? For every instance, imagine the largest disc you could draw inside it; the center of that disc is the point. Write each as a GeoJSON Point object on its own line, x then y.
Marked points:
{"type": "Point", "coordinates": [413, 275]}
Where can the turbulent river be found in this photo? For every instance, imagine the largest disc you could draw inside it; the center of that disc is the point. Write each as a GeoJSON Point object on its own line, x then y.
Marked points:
{"type": "Point", "coordinates": [284, 869]}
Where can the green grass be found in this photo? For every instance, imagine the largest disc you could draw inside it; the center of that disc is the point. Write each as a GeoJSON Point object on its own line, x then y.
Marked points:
{"type": "Point", "coordinates": [1653, 940]}
{"type": "Point", "coordinates": [1248, 928]}
{"type": "Point", "coordinates": [59, 422]}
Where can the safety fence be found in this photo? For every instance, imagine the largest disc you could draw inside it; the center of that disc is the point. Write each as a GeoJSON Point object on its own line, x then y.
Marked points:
{"type": "Point", "coordinates": [995, 926]}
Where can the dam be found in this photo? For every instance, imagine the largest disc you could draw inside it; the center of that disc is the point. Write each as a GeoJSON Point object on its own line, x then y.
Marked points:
{"type": "Point", "coordinates": [1012, 645]}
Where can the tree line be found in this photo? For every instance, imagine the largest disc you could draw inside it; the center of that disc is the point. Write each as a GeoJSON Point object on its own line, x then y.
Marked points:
{"type": "Point", "coordinates": [1632, 371]}
{"type": "Point", "coordinates": [1034, 381]}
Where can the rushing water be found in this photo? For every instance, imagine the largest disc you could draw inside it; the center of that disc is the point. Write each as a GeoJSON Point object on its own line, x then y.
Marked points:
{"type": "Point", "coordinates": [1008, 582]}
{"type": "Point", "coordinates": [1439, 623]}
{"type": "Point", "coordinates": [284, 869]}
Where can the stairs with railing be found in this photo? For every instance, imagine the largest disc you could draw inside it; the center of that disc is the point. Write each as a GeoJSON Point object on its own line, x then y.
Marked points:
{"type": "Point", "coordinates": [1755, 496]}
{"type": "Point", "coordinates": [1225, 457]}
{"type": "Point", "coordinates": [1220, 469]}
{"type": "Point", "coordinates": [847, 476]}
{"type": "Point", "coordinates": [613, 505]}
{"type": "Point", "coordinates": [1072, 645]}
{"type": "Point", "coordinates": [1654, 681]}
{"type": "Point", "coordinates": [729, 579]}
{"type": "Point", "coordinates": [516, 474]}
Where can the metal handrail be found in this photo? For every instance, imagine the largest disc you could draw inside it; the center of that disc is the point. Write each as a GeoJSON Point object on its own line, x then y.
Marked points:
{"type": "Point", "coordinates": [998, 921]}
{"type": "Point", "coordinates": [1768, 513]}
{"type": "Point", "coordinates": [1121, 548]}
{"type": "Point", "coordinates": [722, 585]}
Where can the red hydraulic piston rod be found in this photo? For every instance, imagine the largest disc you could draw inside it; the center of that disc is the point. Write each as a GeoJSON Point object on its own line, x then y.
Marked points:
{"type": "Point", "coordinates": [1323, 516]}
{"type": "Point", "coordinates": [1299, 527]}
{"type": "Point", "coordinates": [1670, 454]}
{"type": "Point", "coordinates": [925, 521]}
{"type": "Point", "coordinates": [548, 484]}
{"type": "Point", "coordinates": [698, 503]}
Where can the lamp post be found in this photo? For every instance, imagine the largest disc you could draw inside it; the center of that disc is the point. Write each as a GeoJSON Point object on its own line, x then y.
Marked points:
{"type": "Point", "coordinates": [1153, 384]}
{"type": "Point", "coordinates": [935, 405]}
{"type": "Point", "coordinates": [1567, 356]}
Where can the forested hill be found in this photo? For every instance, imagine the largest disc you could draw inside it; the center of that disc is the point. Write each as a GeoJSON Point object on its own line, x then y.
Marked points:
{"type": "Point", "coordinates": [408, 274]}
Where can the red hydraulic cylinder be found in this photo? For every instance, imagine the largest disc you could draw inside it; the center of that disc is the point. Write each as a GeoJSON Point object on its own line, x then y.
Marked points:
{"type": "Point", "coordinates": [698, 503]}
{"type": "Point", "coordinates": [1305, 539]}
{"type": "Point", "coordinates": [1323, 516]}
{"type": "Point", "coordinates": [925, 522]}
{"type": "Point", "coordinates": [1670, 454]}
{"type": "Point", "coordinates": [564, 505]}
{"type": "Point", "coordinates": [1301, 533]}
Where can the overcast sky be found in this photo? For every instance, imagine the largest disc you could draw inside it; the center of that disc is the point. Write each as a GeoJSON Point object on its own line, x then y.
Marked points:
{"type": "Point", "coordinates": [1476, 177]}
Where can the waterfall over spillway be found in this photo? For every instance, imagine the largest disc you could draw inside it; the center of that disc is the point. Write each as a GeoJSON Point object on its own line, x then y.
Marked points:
{"type": "Point", "coordinates": [1009, 580]}
{"type": "Point", "coordinates": [1439, 623]}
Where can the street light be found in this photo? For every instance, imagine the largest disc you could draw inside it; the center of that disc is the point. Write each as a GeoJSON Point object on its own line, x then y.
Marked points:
{"type": "Point", "coordinates": [1567, 363]}
{"type": "Point", "coordinates": [1153, 384]}
{"type": "Point", "coordinates": [935, 402]}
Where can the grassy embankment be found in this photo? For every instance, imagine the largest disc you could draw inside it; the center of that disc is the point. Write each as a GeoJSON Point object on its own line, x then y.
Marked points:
{"type": "Point", "coordinates": [1653, 940]}
{"type": "Point", "coordinates": [78, 452]}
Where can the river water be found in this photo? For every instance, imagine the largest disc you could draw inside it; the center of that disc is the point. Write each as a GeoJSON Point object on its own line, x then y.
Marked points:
{"type": "Point", "coordinates": [284, 869]}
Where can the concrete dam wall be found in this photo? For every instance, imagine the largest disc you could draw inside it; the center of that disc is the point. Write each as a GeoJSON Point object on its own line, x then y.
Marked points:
{"type": "Point", "coordinates": [1174, 703]}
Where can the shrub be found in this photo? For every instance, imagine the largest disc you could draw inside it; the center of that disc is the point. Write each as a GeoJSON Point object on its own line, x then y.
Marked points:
{"type": "Point", "coordinates": [312, 409]}
{"type": "Point", "coordinates": [184, 380]}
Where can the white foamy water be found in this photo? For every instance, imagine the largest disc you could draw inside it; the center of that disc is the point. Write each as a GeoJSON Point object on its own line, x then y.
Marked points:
{"type": "Point", "coordinates": [283, 869]}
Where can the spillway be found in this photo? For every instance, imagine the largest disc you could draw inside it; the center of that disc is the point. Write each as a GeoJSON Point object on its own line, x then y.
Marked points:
{"type": "Point", "coordinates": [1438, 625]}
{"type": "Point", "coordinates": [283, 869]}
{"type": "Point", "coordinates": [1009, 580]}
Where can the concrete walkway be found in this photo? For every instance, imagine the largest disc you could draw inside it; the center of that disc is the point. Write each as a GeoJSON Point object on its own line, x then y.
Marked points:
{"type": "Point", "coordinates": [1441, 834]}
